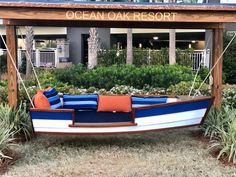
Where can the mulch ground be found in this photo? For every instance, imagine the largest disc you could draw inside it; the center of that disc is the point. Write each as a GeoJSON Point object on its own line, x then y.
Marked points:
{"type": "Point", "coordinates": [6, 163]}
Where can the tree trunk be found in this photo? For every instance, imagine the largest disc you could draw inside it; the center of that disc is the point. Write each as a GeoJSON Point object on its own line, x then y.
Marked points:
{"type": "Point", "coordinates": [129, 59]}
{"type": "Point", "coordinates": [172, 41]}
{"type": "Point", "coordinates": [93, 47]}
{"type": "Point", "coordinates": [172, 47]}
{"type": "Point", "coordinates": [29, 39]}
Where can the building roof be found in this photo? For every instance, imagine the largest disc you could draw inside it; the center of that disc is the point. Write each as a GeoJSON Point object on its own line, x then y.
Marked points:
{"type": "Point", "coordinates": [116, 5]}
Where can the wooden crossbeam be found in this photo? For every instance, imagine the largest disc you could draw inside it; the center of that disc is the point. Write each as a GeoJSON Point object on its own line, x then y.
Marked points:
{"type": "Point", "coordinates": [161, 25]}
{"type": "Point", "coordinates": [118, 15]}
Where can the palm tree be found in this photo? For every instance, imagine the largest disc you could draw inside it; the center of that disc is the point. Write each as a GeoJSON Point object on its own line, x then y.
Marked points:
{"type": "Point", "coordinates": [172, 41]}
{"type": "Point", "coordinates": [93, 47]}
{"type": "Point", "coordinates": [172, 47]}
{"type": "Point", "coordinates": [129, 57]}
{"type": "Point", "coordinates": [29, 38]}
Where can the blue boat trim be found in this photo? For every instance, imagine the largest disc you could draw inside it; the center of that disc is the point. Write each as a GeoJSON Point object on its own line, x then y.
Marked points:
{"type": "Point", "coordinates": [174, 108]}
{"type": "Point", "coordinates": [101, 117]}
{"type": "Point", "coordinates": [52, 115]}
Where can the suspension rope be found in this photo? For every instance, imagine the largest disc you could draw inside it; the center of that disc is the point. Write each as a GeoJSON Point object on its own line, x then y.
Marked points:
{"type": "Point", "coordinates": [215, 64]}
{"type": "Point", "coordinates": [198, 69]}
{"type": "Point", "coordinates": [28, 58]}
{"type": "Point", "coordinates": [17, 71]}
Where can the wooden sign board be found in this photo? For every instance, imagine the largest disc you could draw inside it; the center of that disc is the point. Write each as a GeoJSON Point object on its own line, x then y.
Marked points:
{"type": "Point", "coordinates": [138, 16]}
{"type": "Point", "coordinates": [120, 16]}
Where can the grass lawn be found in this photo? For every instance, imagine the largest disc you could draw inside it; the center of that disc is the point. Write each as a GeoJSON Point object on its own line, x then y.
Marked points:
{"type": "Point", "coordinates": [171, 153]}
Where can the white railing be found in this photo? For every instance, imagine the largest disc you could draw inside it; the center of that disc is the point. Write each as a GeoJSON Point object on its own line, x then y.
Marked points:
{"type": "Point", "coordinates": [200, 58]}
{"type": "Point", "coordinates": [43, 58]}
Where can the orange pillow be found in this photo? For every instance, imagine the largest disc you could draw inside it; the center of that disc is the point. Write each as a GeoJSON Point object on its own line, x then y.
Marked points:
{"type": "Point", "coordinates": [114, 104]}
{"type": "Point", "coordinates": [41, 101]}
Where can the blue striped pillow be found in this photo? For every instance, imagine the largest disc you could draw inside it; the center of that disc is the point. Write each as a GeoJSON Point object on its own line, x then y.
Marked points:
{"type": "Point", "coordinates": [53, 98]}
{"type": "Point", "coordinates": [80, 101]}
{"type": "Point", "coordinates": [145, 101]}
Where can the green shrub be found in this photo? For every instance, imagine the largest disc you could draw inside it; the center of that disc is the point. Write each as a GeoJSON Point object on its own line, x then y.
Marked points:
{"type": "Point", "coordinates": [17, 120]}
{"type": "Point", "coordinates": [3, 95]}
{"type": "Point", "coordinates": [3, 84]}
{"type": "Point", "coordinates": [183, 57]}
{"type": "Point", "coordinates": [47, 78]}
{"type": "Point", "coordinates": [229, 58]}
{"type": "Point", "coordinates": [111, 57]}
{"type": "Point", "coordinates": [224, 133]}
{"type": "Point", "coordinates": [141, 57]}
{"type": "Point", "coordinates": [215, 119]}
{"type": "Point", "coordinates": [3, 64]}
{"type": "Point", "coordinates": [229, 97]}
{"type": "Point", "coordinates": [160, 57]}
{"type": "Point", "coordinates": [69, 74]}
{"type": "Point", "coordinates": [22, 68]}
{"type": "Point", "coordinates": [138, 77]}
{"type": "Point", "coordinates": [6, 140]}
{"type": "Point", "coordinates": [183, 88]}
{"type": "Point", "coordinates": [203, 72]}
{"type": "Point", "coordinates": [144, 57]}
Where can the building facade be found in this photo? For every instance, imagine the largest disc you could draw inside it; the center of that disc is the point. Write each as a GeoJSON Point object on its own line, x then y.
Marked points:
{"type": "Point", "coordinates": [46, 37]}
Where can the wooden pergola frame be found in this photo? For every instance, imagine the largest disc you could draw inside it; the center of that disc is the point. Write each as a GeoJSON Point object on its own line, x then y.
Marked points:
{"type": "Point", "coordinates": [171, 16]}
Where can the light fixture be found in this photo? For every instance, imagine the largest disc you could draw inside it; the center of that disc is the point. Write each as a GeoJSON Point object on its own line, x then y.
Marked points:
{"type": "Point", "coordinates": [193, 41]}
{"type": "Point", "coordinates": [155, 37]}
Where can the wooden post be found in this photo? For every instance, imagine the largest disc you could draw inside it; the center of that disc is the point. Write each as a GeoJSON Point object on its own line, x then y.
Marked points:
{"type": "Point", "coordinates": [12, 74]}
{"type": "Point", "coordinates": [217, 72]}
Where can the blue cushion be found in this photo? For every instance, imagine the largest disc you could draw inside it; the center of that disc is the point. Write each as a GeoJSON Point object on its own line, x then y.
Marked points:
{"type": "Point", "coordinates": [80, 101]}
{"type": "Point", "coordinates": [53, 98]}
{"type": "Point", "coordinates": [80, 104]}
{"type": "Point", "coordinates": [92, 97]}
{"type": "Point", "coordinates": [148, 100]}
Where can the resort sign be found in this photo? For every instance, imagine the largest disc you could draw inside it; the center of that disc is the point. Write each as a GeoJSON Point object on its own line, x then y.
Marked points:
{"type": "Point", "coordinates": [120, 16]}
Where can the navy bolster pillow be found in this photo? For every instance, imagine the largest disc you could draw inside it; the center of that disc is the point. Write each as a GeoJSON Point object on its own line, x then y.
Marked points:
{"type": "Point", "coordinates": [53, 98]}
{"type": "Point", "coordinates": [80, 101]}
{"type": "Point", "coordinates": [145, 101]}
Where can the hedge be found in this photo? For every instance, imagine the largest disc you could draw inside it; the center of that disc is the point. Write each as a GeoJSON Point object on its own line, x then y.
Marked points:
{"type": "Point", "coordinates": [106, 77]}
{"type": "Point", "coordinates": [144, 57]}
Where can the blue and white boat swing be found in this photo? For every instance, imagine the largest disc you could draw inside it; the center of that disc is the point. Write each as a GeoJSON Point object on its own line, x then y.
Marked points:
{"type": "Point", "coordinates": [151, 114]}
{"type": "Point", "coordinates": [81, 114]}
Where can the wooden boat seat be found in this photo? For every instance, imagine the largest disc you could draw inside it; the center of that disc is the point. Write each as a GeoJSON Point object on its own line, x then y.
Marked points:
{"type": "Point", "coordinates": [102, 125]}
